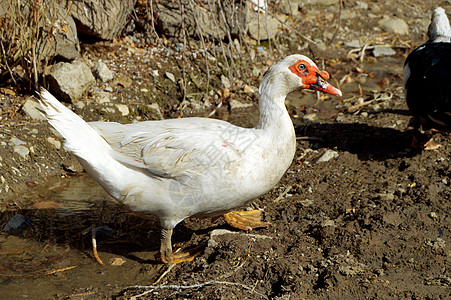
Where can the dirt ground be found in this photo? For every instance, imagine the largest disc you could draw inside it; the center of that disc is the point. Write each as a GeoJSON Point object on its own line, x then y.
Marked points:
{"type": "Point", "coordinates": [359, 214]}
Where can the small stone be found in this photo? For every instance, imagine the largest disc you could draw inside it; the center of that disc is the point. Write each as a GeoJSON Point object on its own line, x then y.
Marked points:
{"type": "Point", "coordinates": [309, 117]}
{"type": "Point", "coordinates": [17, 224]}
{"type": "Point", "coordinates": [225, 82]}
{"type": "Point", "coordinates": [54, 142]}
{"type": "Point", "coordinates": [340, 117]}
{"type": "Point", "coordinates": [170, 76]}
{"type": "Point", "coordinates": [16, 141]}
{"type": "Point", "coordinates": [327, 155]}
{"type": "Point", "coordinates": [124, 81]}
{"type": "Point", "coordinates": [248, 89]}
{"type": "Point", "coordinates": [30, 108]}
{"type": "Point", "coordinates": [123, 109]}
{"type": "Point", "coordinates": [327, 223]}
{"type": "Point", "coordinates": [80, 104]}
{"type": "Point", "coordinates": [102, 72]}
{"type": "Point", "coordinates": [394, 25]}
{"type": "Point", "coordinates": [383, 51]}
{"type": "Point", "coordinates": [433, 215]}
{"type": "Point", "coordinates": [117, 261]}
{"type": "Point", "coordinates": [22, 151]}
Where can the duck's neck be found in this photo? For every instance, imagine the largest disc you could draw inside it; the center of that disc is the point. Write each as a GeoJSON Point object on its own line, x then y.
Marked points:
{"type": "Point", "coordinates": [273, 113]}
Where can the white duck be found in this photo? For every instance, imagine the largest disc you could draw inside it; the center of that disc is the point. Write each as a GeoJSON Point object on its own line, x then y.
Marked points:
{"type": "Point", "coordinates": [180, 168]}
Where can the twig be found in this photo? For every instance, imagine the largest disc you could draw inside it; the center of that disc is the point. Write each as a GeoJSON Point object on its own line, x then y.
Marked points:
{"type": "Point", "coordinates": [283, 194]}
{"type": "Point", "coordinates": [38, 273]}
{"type": "Point", "coordinates": [151, 288]}
{"type": "Point", "coordinates": [94, 246]}
{"type": "Point", "coordinates": [171, 266]}
{"type": "Point", "coordinates": [214, 110]}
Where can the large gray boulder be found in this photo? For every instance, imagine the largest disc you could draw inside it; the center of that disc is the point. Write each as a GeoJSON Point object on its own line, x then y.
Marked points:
{"type": "Point", "coordinates": [70, 80]}
{"type": "Point", "coordinates": [201, 18]}
{"type": "Point", "coordinates": [103, 19]}
{"type": "Point", "coordinates": [214, 19]}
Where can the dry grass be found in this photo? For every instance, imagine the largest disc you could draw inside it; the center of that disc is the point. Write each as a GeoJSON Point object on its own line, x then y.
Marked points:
{"type": "Point", "coordinates": [25, 30]}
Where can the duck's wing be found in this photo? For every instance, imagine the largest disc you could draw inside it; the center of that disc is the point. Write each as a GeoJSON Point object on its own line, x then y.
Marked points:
{"type": "Point", "coordinates": [177, 147]}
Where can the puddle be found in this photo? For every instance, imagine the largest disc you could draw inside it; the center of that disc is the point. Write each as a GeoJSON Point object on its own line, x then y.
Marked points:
{"type": "Point", "coordinates": [53, 257]}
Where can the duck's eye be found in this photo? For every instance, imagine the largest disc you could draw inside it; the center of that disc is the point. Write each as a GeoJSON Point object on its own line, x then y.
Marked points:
{"type": "Point", "coordinates": [301, 67]}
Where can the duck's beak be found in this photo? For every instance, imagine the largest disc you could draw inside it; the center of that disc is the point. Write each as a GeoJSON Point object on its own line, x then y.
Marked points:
{"type": "Point", "coordinates": [317, 82]}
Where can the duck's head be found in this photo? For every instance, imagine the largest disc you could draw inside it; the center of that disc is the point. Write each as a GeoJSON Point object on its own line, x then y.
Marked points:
{"type": "Point", "coordinates": [300, 72]}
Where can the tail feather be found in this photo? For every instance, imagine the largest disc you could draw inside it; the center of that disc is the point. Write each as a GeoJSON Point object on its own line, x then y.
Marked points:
{"type": "Point", "coordinates": [80, 137]}
{"type": "Point", "coordinates": [92, 151]}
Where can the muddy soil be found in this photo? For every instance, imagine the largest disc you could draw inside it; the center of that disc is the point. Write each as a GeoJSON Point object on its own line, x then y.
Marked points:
{"type": "Point", "coordinates": [359, 214]}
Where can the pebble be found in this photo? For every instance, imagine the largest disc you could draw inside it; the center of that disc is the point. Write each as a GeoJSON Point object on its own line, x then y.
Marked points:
{"type": "Point", "coordinates": [327, 155]}
{"type": "Point", "coordinates": [54, 142]}
{"type": "Point", "coordinates": [340, 117]}
{"type": "Point", "coordinates": [17, 224]}
{"type": "Point", "coordinates": [225, 82]}
{"type": "Point", "coordinates": [123, 109]}
{"type": "Point", "coordinates": [102, 72]}
{"type": "Point", "coordinates": [394, 25]}
{"type": "Point", "coordinates": [30, 108]}
{"type": "Point", "coordinates": [22, 151]}
{"type": "Point", "coordinates": [383, 51]}
{"type": "Point", "coordinates": [17, 142]}
{"type": "Point", "coordinates": [433, 215]}
{"type": "Point", "coordinates": [80, 104]}
{"type": "Point", "coordinates": [170, 76]}
{"type": "Point", "coordinates": [248, 89]}
{"type": "Point", "coordinates": [309, 117]}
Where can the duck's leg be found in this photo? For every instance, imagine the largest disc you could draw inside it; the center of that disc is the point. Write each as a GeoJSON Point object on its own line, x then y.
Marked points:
{"type": "Point", "coordinates": [168, 256]}
{"type": "Point", "coordinates": [245, 220]}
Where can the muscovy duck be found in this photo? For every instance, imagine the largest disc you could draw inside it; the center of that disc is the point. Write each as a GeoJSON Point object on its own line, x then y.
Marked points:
{"type": "Point", "coordinates": [179, 168]}
{"type": "Point", "coordinates": [427, 76]}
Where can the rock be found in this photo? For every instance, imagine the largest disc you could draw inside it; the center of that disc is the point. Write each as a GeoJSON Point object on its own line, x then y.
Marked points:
{"type": "Point", "coordinates": [70, 80]}
{"type": "Point", "coordinates": [309, 117]}
{"type": "Point", "coordinates": [394, 25]}
{"type": "Point", "coordinates": [262, 28]}
{"type": "Point", "coordinates": [102, 72]}
{"type": "Point", "coordinates": [170, 76]}
{"type": "Point", "coordinates": [30, 108]}
{"type": "Point", "coordinates": [102, 97]}
{"type": "Point", "coordinates": [354, 44]}
{"type": "Point", "coordinates": [123, 109]}
{"type": "Point", "coordinates": [124, 81]}
{"type": "Point", "coordinates": [199, 21]}
{"type": "Point", "coordinates": [225, 82]}
{"type": "Point", "coordinates": [235, 104]}
{"type": "Point", "coordinates": [383, 51]}
{"type": "Point", "coordinates": [17, 224]}
{"type": "Point", "coordinates": [54, 142]}
{"type": "Point", "coordinates": [327, 155]}
{"type": "Point", "coordinates": [22, 151]}
{"type": "Point", "coordinates": [248, 89]}
{"type": "Point", "coordinates": [117, 261]}
{"type": "Point", "coordinates": [102, 19]}
{"type": "Point", "coordinates": [15, 141]}
{"type": "Point", "coordinates": [290, 7]}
